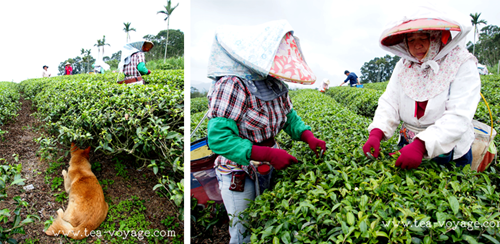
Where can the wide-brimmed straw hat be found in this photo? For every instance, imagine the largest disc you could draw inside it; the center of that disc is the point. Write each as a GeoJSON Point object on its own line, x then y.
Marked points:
{"type": "Point", "coordinates": [66, 63]}
{"type": "Point", "coordinates": [396, 34]}
{"type": "Point", "coordinates": [326, 81]}
{"type": "Point", "coordinates": [289, 65]}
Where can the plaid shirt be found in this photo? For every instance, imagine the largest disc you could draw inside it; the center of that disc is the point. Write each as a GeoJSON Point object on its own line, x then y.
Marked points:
{"type": "Point", "coordinates": [257, 120]}
{"type": "Point", "coordinates": [130, 70]}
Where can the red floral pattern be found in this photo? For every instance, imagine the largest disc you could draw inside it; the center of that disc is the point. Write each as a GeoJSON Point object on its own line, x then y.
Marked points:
{"type": "Point", "coordinates": [289, 64]}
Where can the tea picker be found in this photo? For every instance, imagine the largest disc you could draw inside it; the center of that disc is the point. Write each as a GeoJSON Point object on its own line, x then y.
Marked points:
{"type": "Point", "coordinates": [133, 63]}
{"type": "Point", "coordinates": [434, 90]}
{"type": "Point", "coordinates": [249, 105]}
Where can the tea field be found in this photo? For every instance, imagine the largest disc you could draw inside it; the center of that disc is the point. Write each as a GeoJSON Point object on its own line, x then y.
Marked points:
{"type": "Point", "coordinates": [345, 197]}
{"type": "Point", "coordinates": [136, 137]}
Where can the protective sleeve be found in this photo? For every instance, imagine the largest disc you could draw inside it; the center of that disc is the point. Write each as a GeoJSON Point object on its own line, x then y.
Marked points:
{"type": "Point", "coordinates": [223, 139]}
{"type": "Point", "coordinates": [294, 125]}
{"type": "Point", "coordinates": [387, 114]}
{"type": "Point", "coordinates": [142, 68]}
{"type": "Point", "coordinates": [454, 125]}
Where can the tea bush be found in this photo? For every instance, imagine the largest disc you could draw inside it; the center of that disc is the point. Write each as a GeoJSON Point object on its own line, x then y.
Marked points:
{"type": "Point", "coordinates": [9, 101]}
{"type": "Point", "coordinates": [93, 110]}
{"type": "Point", "coordinates": [361, 101]}
{"type": "Point", "coordinates": [202, 130]}
{"type": "Point", "coordinates": [490, 85]}
{"type": "Point", "coordinates": [346, 198]}
{"type": "Point", "coordinates": [376, 86]}
{"type": "Point", "coordinates": [199, 104]}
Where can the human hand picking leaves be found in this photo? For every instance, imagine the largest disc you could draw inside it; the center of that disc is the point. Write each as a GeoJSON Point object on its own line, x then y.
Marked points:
{"type": "Point", "coordinates": [308, 137]}
{"type": "Point", "coordinates": [411, 155]}
{"type": "Point", "coordinates": [278, 158]}
{"type": "Point", "coordinates": [376, 135]}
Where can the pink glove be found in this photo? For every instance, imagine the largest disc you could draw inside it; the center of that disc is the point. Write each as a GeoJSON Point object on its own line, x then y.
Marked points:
{"type": "Point", "coordinates": [411, 155]}
{"type": "Point", "coordinates": [278, 158]}
{"type": "Point", "coordinates": [376, 135]}
{"type": "Point", "coordinates": [308, 137]}
{"type": "Point", "coordinates": [149, 72]}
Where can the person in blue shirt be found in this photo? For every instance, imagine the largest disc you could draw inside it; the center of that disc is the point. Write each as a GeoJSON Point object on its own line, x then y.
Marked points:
{"type": "Point", "coordinates": [352, 78]}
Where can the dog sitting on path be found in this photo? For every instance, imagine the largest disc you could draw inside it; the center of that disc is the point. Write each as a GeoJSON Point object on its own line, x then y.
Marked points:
{"type": "Point", "coordinates": [86, 206]}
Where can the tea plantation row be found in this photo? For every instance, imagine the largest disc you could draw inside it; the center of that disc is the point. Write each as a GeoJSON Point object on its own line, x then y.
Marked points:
{"type": "Point", "coordinates": [346, 198]}
{"type": "Point", "coordinates": [9, 101]}
{"type": "Point", "coordinates": [144, 121]}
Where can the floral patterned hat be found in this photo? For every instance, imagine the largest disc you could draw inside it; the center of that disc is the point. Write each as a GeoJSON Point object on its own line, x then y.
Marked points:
{"type": "Point", "coordinates": [396, 34]}
{"type": "Point", "coordinates": [256, 52]}
{"type": "Point", "coordinates": [289, 65]}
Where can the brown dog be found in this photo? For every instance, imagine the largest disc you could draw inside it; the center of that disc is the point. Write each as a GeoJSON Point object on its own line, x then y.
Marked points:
{"type": "Point", "coordinates": [86, 208]}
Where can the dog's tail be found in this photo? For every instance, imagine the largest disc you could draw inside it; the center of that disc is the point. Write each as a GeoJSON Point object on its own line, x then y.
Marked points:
{"type": "Point", "coordinates": [61, 227]}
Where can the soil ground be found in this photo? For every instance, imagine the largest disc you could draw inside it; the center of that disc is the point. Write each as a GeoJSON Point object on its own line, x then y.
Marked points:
{"type": "Point", "coordinates": [19, 143]}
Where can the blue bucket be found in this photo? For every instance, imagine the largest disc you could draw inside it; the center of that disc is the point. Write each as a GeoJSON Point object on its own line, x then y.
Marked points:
{"type": "Point", "coordinates": [359, 86]}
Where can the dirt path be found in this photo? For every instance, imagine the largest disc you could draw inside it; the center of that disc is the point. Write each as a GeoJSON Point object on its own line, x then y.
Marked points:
{"type": "Point", "coordinates": [19, 140]}
{"type": "Point", "coordinates": [127, 190]}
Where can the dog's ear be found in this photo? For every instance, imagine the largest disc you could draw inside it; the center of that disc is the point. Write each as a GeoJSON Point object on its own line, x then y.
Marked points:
{"type": "Point", "coordinates": [73, 147]}
{"type": "Point", "coordinates": [86, 152]}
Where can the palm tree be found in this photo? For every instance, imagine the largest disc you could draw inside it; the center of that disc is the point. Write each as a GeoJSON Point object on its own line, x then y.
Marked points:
{"type": "Point", "coordinates": [98, 45]}
{"type": "Point", "coordinates": [476, 21]}
{"type": "Point", "coordinates": [127, 29]}
{"type": "Point", "coordinates": [103, 43]}
{"type": "Point", "coordinates": [168, 11]}
{"type": "Point", "coordinates": [83, 58]}
{"type": "Point", "coordinates": [87, 58]}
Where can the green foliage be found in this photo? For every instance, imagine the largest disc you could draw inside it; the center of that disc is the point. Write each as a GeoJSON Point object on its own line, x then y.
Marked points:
{"type": "Point", "coordinates": [105, 183]}
{"type": "Point", "coordinates": [202, 130]}
{"type": "Point", "coordinates": [56, 183]}
{"type": "Point", "coordinates": [121, 169]}
{"type": "Point", "coordinates": [61, 197]}
{"type": "Point", "coordinates": [203, 219]}
{"type": "Point", "coordinates": [171, 78]}
{"type": "Point", "coordinates": [487, 48]}
{"type": "Point", "coordinates": [376, 86]}
{"type": "Point", "coordinates": [361, 101]}
{"type": "Point", "coordinates": [199, 104]}
{"type": "Point", "coordinates": [13, 222]}
{"type": "Point", "coordinates": [378, 69]}
{"type": "Point", "coordinates": [169, 64]}
{"type": "Point", "coordinates": [129, 215]}
{"type": "Point", "coordinates": [175, 191]}
{"type": "Point", "coordinates": [195, 93]}
{"type": "Point", "coordinates": [175, 44]}
{"type": "Point", "coordinates": [141, 121]}
{"type": "Point", "coordinates": [346, 198]}
{"type": "Point", "coordinates": [9, 102]}
{"type": "Point", "coordinates": [490, 85]}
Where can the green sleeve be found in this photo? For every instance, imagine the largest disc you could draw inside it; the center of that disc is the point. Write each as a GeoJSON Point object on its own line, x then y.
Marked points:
{"type": "Point", "coordinates": [294, 125]}
{"type": "Point", "coordinates": [142, 68]}
{"type": "Point", "coordinates": [223, 139]}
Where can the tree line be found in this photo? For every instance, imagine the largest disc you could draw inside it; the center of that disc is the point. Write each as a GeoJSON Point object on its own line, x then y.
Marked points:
{"type": "Point", "coordinates": [487, 48]}
{"type": "Point", "coordinates": [83, 64]}
{"type": "Point", "coordinates": [176, 42]}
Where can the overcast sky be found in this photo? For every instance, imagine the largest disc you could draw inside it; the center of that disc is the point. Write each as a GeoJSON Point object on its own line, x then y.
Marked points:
{"type": "Point", "coordinates": [335, 35]}
{"type": "Point", "coordinates": [37, 33]}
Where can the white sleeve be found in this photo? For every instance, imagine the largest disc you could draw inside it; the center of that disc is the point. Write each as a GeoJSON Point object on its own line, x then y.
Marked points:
{"type": "Point", "coordinates": [387, 114]}
{"type": "Point", "coordinates": [463, 98]}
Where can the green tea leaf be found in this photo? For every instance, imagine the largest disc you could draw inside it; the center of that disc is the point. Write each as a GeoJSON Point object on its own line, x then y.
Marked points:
{"type": "Point", "coordinates": [453, 204]}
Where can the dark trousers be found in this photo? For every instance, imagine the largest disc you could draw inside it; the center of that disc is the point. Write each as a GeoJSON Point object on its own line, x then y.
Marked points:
{"type": "Point", "coordinates": [447, 158]}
